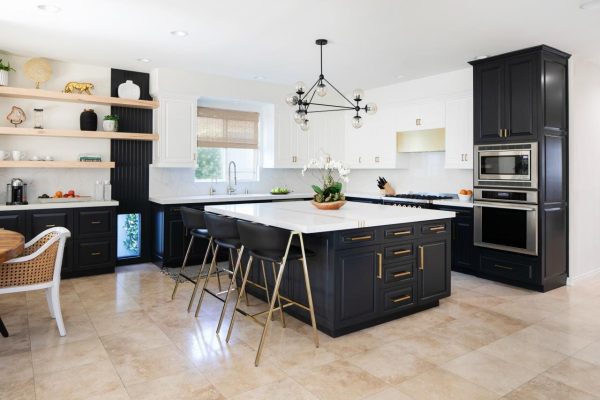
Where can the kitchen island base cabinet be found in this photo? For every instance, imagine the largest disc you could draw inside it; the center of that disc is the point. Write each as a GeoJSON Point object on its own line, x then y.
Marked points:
{"type": "Point", "coordinates": [375, 278]}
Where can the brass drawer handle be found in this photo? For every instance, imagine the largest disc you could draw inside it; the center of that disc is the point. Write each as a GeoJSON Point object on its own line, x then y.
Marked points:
{"type": "Point", "coordinates": [401, 274]}
{"type": "Point", "coordinates": [401, 252]}
{"type": "Point", "coordinates": [95, 222]}
{"type": "Point", "coordinates": [422, 257]}
{"type": "Point", "coordinates": [175, 209]}
{"type": "Point", "coordinates": [379, 265]}
{"type": "Point", "coordinates": [50, 225]}
{"type": "Point", "coordinates": [503, 267]}
{"type": "Point", "coordinates": [401, 298]}
{"type": "Point", "coordinates": [357, 238]}
{"type": "Point", "coordinates": [402, 233]}
{"type": "Point", "coordinates": [437, 228]}
{"type": "Point", "coordinates": [96, 253]}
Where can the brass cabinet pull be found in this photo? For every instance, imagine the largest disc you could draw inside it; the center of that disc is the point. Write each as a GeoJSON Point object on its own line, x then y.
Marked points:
{"type": "Point", "coordinates": [95, 222]}
{"type": "Point", "coordinates": [96, 253]}
{"type": "Point", "coordinates": [50, 225]}
{"type": "Point", "coordinates": [357, 238]}
{"type": "Point", "coordinates": [501, 133]}
{"type": "Point", "coordinates": [359, 160]}
{"type": "Point", "coordinates": [401, 274]}
{"type": "Point", "coordinates": [422, 257]}
{"type": "Point", "coordinates": [376, 159]}
{"type": "Point", "coordinates": [466, 157]}
{"type": "Point", "coordinates": [401, 252]}
{"type": "Point", "coordinates": [418, 122]}
{"type": "Point", "coordinates": [502, 267]}
{"type": "Point", "coordinates": [506, 133]}
{"type": "Point", "coordinates": [402, 233]}
{"type": "Point", "coordinates": [379, 265]}
{"type": "Point", "coordinates": [437, 228]}
{"type": "Point", "coordinates": [401, 298]}
{"type": "Point", "coordinates": [175, 209]}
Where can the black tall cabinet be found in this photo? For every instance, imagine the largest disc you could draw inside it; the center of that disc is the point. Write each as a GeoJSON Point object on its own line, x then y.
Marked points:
{"type": "Point", "coordinates": [522, 96]}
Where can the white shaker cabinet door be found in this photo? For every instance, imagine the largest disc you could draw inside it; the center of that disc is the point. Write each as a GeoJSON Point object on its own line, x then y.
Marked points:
{"type": "Point", "coordinates": [176, 122]}
{"type": "Point", "coordinates": [459, 133]}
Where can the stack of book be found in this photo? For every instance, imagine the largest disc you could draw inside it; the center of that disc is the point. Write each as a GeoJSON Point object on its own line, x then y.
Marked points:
{"type": "Point", "coordinates": [90, 158]}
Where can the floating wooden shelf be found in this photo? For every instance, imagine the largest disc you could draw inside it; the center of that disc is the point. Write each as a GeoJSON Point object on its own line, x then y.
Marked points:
{"type": "Point", "coordinates": [25, 93]}
{"type": "Point", "coordinates": [78, 134]}
{"type": "Point", "coordinates": [56, 164]}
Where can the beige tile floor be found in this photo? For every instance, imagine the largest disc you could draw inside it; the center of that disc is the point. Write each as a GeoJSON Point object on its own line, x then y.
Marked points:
{"type": "Point", "coordinates": [128, 340]}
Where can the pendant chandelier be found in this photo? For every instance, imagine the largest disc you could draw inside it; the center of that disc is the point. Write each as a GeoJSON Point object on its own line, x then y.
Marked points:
{"type": "Point", "coordinates": [304, 99]}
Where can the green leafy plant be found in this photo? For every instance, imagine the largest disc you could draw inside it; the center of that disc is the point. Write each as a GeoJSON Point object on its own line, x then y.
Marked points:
{"type": "Point", "coordinates": [5, 67]}
{"type": "Point", "coordinates": [111, 117]}
{"type": "Point", "coordinates": [132, 233]}
{"type": "Point", "coordinates": [330, 174]}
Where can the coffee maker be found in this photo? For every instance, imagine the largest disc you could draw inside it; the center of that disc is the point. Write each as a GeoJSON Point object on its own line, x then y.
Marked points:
{"type": "Point", "coordinates": [16, 192]}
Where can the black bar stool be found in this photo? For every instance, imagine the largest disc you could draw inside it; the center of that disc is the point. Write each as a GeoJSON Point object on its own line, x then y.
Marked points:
{"type": "Point", "coordinates": [224, 232]}
{"type": "Point", "coordinates": [193, 221]}
{"type": "Point", "coordinates": [274, 245]}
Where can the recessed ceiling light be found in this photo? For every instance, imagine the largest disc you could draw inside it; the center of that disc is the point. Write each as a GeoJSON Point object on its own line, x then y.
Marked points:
{"type": "Point", "coordinates": [481, 57]}
{"type": "Point", "coordinates": [144, 60]}
{"type": "Point", "coordinates": [49, 8]}
{"type": "Point", "coordinates": [590, 5]}
{"type": "Point", "coordinates": [179, 33]}
{"type": "Point", "coordinates": [259, 78]}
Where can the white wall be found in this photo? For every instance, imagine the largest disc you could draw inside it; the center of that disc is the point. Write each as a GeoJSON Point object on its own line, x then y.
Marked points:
{"type": "Point", "coordinates": [57, 115]}
{"type": "Point", "coordinates": [584, 184]}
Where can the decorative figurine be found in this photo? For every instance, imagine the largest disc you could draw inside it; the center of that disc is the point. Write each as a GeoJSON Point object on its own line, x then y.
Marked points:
{"type": "Point", "coordinates": [81, 87]}
{"type": "Point", "coordinates": [16, 116]}
{"type": "Point", "coordinates": [38, 70]}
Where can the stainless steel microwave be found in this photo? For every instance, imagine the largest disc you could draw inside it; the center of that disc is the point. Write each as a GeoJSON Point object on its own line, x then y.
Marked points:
{"type": "Point", "coordinates": [509, 165]}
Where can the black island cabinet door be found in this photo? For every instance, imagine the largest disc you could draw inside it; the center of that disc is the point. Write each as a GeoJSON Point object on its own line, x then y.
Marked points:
{"type": "Point", "coordinates": [433, 264]}
{"type": "Point", "coordinates": [357, 284]}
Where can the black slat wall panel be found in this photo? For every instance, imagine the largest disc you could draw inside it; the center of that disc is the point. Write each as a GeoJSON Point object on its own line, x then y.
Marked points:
{"type": "Point", "coordinates": [130, 177]}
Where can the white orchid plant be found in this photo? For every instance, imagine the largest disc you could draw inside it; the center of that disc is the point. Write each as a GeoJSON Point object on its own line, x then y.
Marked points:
{"type": "Point", "coordinates": [330, 174]}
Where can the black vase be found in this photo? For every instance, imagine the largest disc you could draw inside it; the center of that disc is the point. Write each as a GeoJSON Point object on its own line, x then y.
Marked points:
{"type": "Point", "coordinates": [88, 120]}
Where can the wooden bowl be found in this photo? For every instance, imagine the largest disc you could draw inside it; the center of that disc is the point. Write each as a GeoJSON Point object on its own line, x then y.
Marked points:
{"type": "Point", "coordinates": [334, 205]}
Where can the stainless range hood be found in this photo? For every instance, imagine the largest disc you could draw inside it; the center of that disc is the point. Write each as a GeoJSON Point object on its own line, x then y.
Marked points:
{"type": "Point", "coordinates": [426, 140]}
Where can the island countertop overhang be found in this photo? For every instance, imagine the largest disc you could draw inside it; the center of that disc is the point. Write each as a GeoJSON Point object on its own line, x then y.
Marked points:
{"type": "Point", "coordinates": [302, 216]}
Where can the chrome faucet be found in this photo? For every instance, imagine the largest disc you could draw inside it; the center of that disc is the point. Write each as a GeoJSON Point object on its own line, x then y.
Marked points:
{"type": "Point", "coordinates": [231, 189]}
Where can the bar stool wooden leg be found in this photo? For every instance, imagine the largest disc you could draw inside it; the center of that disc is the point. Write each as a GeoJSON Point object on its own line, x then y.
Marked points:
{"type": "Point", "coordinates": [235, 272]}
{"type": "Point", "coordinates": [308, 292]}
{"type": "Point", "coordinates": [282, 314]}
{"type": "Point", "coordinates": [209, 248]}
{"type": "Point", "coordinates": [237, 302]}
{"type": "Point", "coordinates": [187, 253]}
{"type": "Point", "coordinates": [274, 297]}
{"type": "Point", "coordinates": [210, 271]}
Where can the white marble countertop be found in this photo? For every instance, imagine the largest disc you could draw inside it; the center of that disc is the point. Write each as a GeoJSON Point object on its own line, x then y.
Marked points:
{"type": "Point", "coordinates": [302, 216]}
{"type": "Point", "coordinates": [72, 204]}
{"type": "Point", "coordinates": [224, 198]}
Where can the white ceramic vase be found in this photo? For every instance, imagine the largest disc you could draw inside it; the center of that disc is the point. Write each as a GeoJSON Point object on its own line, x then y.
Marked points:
{"type": "Point", "coordinates": [109, 125]}
{"type": "Point", "coordinates": [129, 90]}
{"type": "Point", "coordinates": [3, 78]}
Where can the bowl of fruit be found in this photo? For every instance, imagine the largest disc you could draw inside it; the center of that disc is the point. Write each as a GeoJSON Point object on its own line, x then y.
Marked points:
{"type": "Point", "coordinates": [280, 190]}
{"type": "Point", "coordinates": [60, 197]}
{"type": "Point", "coordinates": [465, 195]}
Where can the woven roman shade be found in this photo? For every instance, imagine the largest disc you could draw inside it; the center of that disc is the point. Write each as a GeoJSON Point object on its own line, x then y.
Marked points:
{"type": "Point", "coordinates": [227, 128]}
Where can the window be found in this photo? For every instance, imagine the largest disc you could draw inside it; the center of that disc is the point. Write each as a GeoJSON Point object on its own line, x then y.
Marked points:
{"type": "Point", "coordinates": [224, 136]}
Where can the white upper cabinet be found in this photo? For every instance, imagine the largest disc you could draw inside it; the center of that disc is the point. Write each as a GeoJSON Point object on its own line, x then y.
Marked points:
{"type": "Point", "coordinates": [459, 133]}
{"type": "Point", "coordinates": [421, 115]}
{"type": "Point", "coordinates": [175, 121]}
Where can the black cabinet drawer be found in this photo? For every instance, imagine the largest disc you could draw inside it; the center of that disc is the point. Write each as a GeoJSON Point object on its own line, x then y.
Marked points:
{"type": "Point", "coordinates": [398, 252]}
{"type": "Point", "coordinates": [96, 222]}
{"type": "Point", "coordinates": [435, 227]}
{"type": "Point", "coordinates": [94, 253]}
{"type": "Point", "coordinates": [397, 299]}
{"type": "Point", "coordinates": [395, 273]}
{"type": "Point", "coordinates": [509, 267]}
{"type": "Point", "coordinates": [40, 221]}
{"type": "Point", "coordinates": [13, 221]}
{"type": "Point", "coordinates": [367, 236]}
{"type": "Point", "coordinates": [399, 232]}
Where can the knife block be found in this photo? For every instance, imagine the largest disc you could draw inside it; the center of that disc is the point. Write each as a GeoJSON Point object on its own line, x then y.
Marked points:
{"type": "Point", "coordinates": [388, 190]}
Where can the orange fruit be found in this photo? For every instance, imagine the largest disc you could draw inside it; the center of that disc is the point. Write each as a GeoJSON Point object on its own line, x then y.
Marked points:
{"type": "Point", "coordinates": [58, 194]}
{"type": "Point", "coordinates": [469, 192]}
{"type": "Point", "coordinates": [462, 191]}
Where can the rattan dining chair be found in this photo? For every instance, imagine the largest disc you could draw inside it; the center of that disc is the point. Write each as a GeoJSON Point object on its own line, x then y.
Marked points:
{"type": "Point", "coordinates": [39, 268]}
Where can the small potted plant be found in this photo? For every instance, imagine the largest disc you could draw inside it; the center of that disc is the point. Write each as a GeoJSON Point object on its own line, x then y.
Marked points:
{"type": "Point", "coordinates": [4, 70]}
{"type": "Point", "coordinates": [110, 123]}
{"type": "Point", "coordinates": [328, 194]}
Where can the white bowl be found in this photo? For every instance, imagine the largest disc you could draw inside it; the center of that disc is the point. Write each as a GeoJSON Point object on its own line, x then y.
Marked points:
{"type": "Point", "coordinates": [465, 197]}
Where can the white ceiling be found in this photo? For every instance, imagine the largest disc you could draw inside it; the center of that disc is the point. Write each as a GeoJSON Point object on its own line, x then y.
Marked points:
{"type": "Point", "coordinates": [371, 41]}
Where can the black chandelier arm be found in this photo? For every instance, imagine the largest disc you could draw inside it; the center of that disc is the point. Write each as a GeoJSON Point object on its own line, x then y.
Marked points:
{"type": "Point", "coordinates": [310, 101]}
{"type": "Point", "coordinates": [308, 91]}
{"type": "Point", "coordinates": [330, 110]}
{"type": "Point", "coordinates": [333, 105]}
{"type": "Point", "coordinates": [340, 93]}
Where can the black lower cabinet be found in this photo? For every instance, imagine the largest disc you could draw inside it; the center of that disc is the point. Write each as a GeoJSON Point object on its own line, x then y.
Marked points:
{"type": "Point", "coordinates": [434, 269]}
{"type": "Point", "coordinates": [90, 250]}
{"type": "Point", "coordinates": [464, 258]}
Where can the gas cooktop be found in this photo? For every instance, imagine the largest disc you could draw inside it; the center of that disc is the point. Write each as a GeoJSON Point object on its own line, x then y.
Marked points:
{"type": "Point", "coordinates": [421, 197]}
